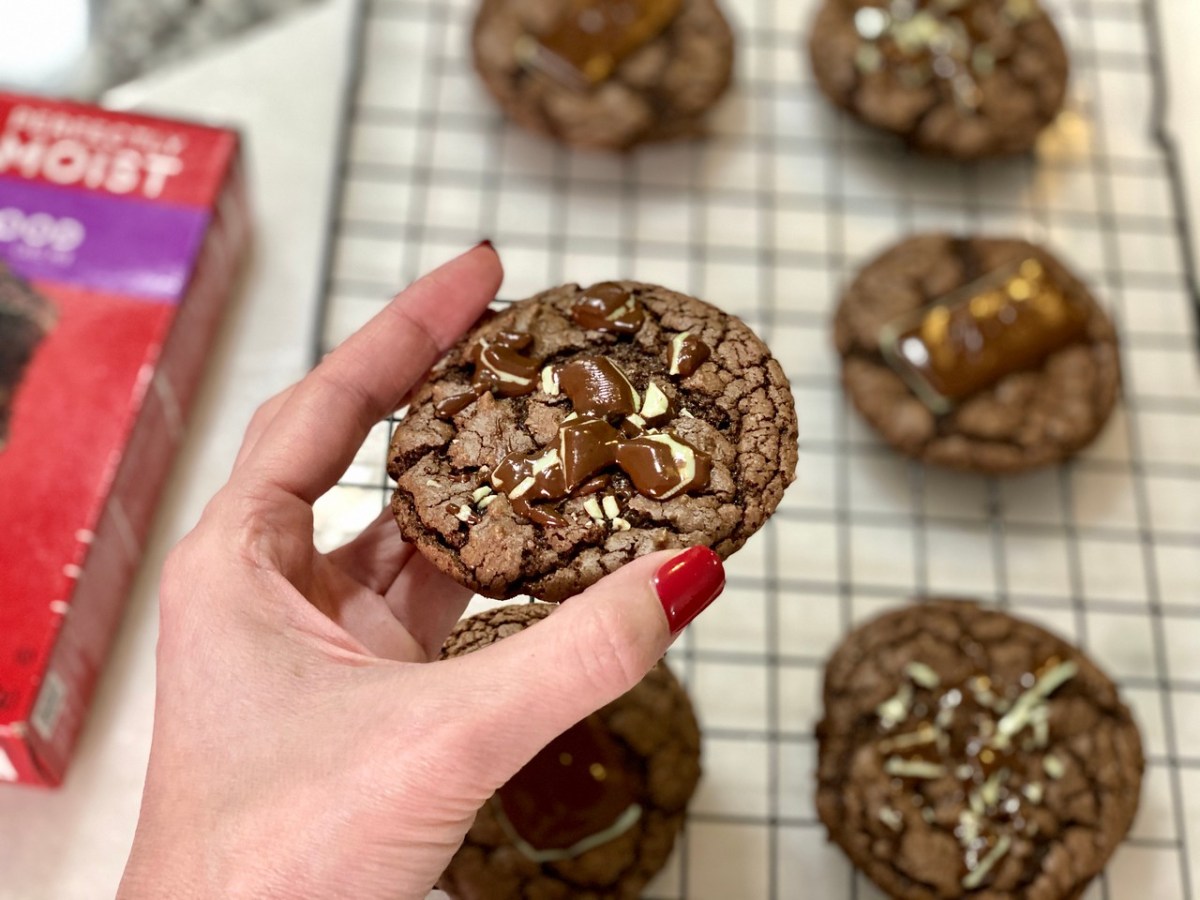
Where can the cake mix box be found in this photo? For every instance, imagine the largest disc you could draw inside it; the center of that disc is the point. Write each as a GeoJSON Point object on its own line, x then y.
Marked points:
{"type": "Point", "coordinates": [120, 236]}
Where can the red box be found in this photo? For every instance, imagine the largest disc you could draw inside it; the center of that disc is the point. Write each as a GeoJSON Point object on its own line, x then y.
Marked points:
{"type": "Point", "coordinates": [120, 236]}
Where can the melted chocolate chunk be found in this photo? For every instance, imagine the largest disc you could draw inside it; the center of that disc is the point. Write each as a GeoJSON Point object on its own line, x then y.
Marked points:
{"type": "Point", "coordinates": [662, 465]}
{"type": "Point", "coordinates": [656, 406]}
{"type": "Point", "coordinates": [597, 387]}
{"type": "Point", "coordinates": [597, 485]}
{"type": "Point", "coordinates": [608, 308]}
{"type": "Point", "coordinates": [574, 789]}
{"type": "Point", "coordinates": [504, 371]}
{"type": "Point", "coordinates": [464, 514]}
{"type": "Point", "coordinates": [1008, 322]}
{"type": "Point", "coordinates": [586, 446]}
{"type": "Point", "coordinates": [585, 46]}
{"type": "Point", "coordinates": [500, 368]}
{"type": "Point", "coordinates": [449, 407]}
{"type": "Point", "coordinates": [531, 476]}
{"type": "Point", "coordinates": [688, 353]}
{"type": "Point", "coordinates": [539, 515]}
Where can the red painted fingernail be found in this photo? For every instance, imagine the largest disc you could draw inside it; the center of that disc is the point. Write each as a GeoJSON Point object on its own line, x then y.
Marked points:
{"type": "Point", "coordinates": [688, 584]}
{"type": "Point", "coordinates": [485, 243]}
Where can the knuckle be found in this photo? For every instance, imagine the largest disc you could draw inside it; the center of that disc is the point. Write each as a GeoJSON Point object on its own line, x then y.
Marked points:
{"type": "Point", "coordinates": [267, 411]}
{"type": "Point", "coordinates": [262, 416]}
{"type": "Point", "coordinates": [344, 388]}
{"type": "Point", "coordinates": [433, 345]}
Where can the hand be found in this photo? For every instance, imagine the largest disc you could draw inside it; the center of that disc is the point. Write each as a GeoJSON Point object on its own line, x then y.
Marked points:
{"type": "Point", "coordinates": [304, 743]}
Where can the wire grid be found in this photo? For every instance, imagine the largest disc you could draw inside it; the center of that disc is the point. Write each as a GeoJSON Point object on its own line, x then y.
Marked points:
{"type": "Point", "coordinates": [767, 219]}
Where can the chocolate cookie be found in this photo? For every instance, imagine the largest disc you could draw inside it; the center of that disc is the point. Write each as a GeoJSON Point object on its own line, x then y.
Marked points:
{"type": "Point", "coordinates": [605, 74]}
{"type": "Point", "coordinates": [26, 317]}
{"type": "Point", "coordinates": [582, 428]}
{"type": "Point", "coordinates": [594, 816]}
{"type": "Point", "coordinates": [977, 353]}
{"type": "Point", "coordinates": [959, 78]}
{"type": "Point", "coordinates": [966, 753]}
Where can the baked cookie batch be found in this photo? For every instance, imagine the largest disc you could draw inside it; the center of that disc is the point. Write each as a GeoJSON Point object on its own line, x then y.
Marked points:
{"type": "Point", "coordinates": [963, 752]}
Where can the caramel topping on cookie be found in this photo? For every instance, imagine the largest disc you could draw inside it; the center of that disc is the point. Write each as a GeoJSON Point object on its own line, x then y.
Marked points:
{"type": "Point", "coordinates": [1007, 322]}
{"type": "Point", "coordinates": [585, 46]}
{"type": "Point", "coordinates": [608, 308]}
{"type": "Point", "coordinates": [573, 796]}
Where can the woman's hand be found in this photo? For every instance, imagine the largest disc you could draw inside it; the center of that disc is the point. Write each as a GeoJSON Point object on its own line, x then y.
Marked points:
{"type": "Point", "coordinates": [304, 745]}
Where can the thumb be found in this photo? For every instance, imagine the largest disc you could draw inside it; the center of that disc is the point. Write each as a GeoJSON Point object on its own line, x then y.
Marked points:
{"type": "Point", "coordinates": [532, 686]}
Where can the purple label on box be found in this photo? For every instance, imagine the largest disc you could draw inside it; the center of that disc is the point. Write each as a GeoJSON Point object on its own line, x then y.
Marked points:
{"type": "Point", "coordinates": [119, 246]}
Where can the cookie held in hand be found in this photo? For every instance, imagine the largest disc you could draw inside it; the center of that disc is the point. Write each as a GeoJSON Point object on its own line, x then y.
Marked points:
{"type": "Point", "coordinates": [585, 427]}
{"type": "Point", "coordinates": [967, 753]}
{"type": "Point", "coordinates": [975, 353]}
{"type": "Point", "coordinates": [596, 813]}
{"type": "Point", "coordinates": [605, 74]}
{"type": "Point", "coordinates": [965, 79]}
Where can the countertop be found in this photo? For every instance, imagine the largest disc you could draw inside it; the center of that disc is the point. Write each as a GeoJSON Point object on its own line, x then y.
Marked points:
{"type": "Point", "coordinates": [282, 86]}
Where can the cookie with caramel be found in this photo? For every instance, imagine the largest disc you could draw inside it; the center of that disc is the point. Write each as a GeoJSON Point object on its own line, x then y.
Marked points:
{"type": "Point", "coordinates": [605, 74]}
{"type": "Point", "coordinates": [974, 353]}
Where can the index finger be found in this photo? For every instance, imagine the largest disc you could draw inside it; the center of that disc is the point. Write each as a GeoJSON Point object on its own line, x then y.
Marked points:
{"type": "Point", "coordinates": [313, 439]}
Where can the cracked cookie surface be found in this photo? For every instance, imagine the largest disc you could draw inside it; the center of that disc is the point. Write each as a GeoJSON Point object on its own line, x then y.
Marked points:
{"type": "Point", "coordinates": [661, 91]}
{"type": "Point", "coordinates": [1028, 419]}
{"type": "Point", "coordinates": [967, 79]}
{"type": "Point", "coordinates": [735, 409]}
{"type": "Point", "coordinates": [655, 731]}
{"type": "Point", "coordinates": [967, 753]}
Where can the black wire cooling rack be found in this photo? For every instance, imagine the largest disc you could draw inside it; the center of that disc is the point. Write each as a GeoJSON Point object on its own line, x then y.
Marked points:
{"type": "Point", "coordinates": [767, 218]}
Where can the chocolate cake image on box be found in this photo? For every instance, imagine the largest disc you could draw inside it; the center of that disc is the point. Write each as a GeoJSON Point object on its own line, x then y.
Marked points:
{"type": "Point", "coordinates": [26, 317]}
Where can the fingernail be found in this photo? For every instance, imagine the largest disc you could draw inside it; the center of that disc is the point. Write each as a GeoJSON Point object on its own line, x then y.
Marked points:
{"type": "Point", "coordinates": [688, 584]}
{"type": "Point", "coordinates": [485, 243]}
